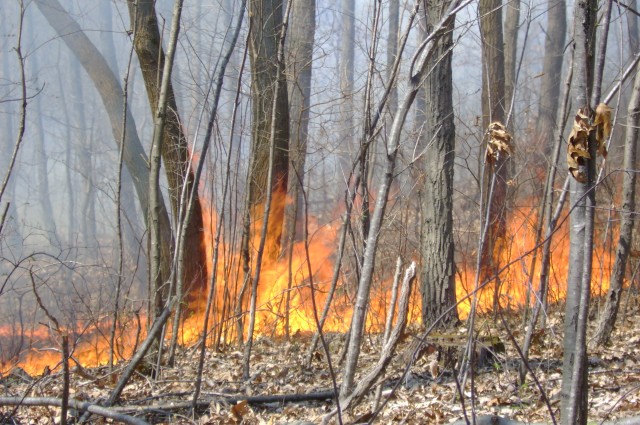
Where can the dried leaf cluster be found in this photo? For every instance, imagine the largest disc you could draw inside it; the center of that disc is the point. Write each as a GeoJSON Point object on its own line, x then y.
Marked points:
{"type": "Point", "coordinates": [499, 144]}
{"type": "Point", "coordinates": [578, 149]}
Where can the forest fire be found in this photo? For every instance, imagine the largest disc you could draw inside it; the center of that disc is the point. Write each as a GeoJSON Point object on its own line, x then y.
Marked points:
{"type": "Point", "coordinates": [286, 285]}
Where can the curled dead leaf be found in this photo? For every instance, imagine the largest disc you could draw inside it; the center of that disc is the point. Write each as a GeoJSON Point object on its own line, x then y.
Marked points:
{"type": "Point", "coordinates": [499, 143]}
{"type": "Point", "coordinates": [603, 124]}
{"type": "Point", "coordinates": [240, 410]}
{"type": "Point", "coordinates": [578, 149]}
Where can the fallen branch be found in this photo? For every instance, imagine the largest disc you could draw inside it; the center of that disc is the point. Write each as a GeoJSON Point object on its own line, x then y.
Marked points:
{"type": "Point", "coordinates": [206, 402]}
{"type": "Point", "coordinates": [497, 420]}
{"type": "Point", "coordinates": [75, 404]}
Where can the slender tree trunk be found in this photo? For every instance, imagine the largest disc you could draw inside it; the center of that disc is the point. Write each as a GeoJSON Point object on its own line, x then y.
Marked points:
{"type": "Point", "coordinates": [551, 71]}
{"type": "Point", "coordinates": [493, 109]}
{"type": "Point", "coordinates": [574, 373]}
{"type": "Point", "coordinates": [392, 53]}
{"type": "Point", "coordinates": [41, 163]}
{"type": "Point", "coordinates": [608, 317]}
{"type": "Point", "coordinates": [347, 59]}
{"type": "Point", "coordinates": [511, 27]}
{"type": "Point", "coordinates": [437, 250]}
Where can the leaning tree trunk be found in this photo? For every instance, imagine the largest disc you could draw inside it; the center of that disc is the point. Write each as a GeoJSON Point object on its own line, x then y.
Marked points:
{"type": "Point", "coordinates": [175, 154]}
{"type": "Point", "coordinates": [437, 250]}
{"type": "Point", "coordinates": [574, 390]}
{"type": "Point", "coordinates": [110, 92]}
{"type": "Point", "coordinates": [608, 317]}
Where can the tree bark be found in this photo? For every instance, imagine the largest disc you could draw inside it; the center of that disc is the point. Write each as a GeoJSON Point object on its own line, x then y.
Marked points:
{"type": "Point", "coordinates": [437, 249]}
{"type": "Point", "coordinates": [346, 69]}
{"type": "Point", "coordinates": [511, 26]}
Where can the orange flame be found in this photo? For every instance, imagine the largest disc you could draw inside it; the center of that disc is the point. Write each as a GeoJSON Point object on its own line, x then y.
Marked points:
{"type": "Point", "coordinates": [285, 280]}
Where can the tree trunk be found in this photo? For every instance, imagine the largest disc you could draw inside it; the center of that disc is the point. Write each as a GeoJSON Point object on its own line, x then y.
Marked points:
{"type": "Point", "coordinates": [300, 40]}
{"type": "Point", "coordinates": [437, 251]}
{"type": "Point", "coordinates": [392, 53]}
{"type": "Point", "coordinates": [265, 22]}
{"type": "Point", "coordinates": [493, 109]}
{"type": "Point", "coordinates": [511, 26]}
{"type": "Point", "coordinates": [148, 46]}
{"type": "Point", "coordinates": [551, 71]}
{"type": "Point", "coordinates": [632, 27]}
{"type": "Point", "coordinates": [608, 317]}
{"type": "Point", "coordinates": [41, 160]}
{"type": "Point", "coordinates": [347, 55]}
{"type": "Point", "coordinates": [574, 372]}
{"type": "Point", "coordinates": [416, 75]}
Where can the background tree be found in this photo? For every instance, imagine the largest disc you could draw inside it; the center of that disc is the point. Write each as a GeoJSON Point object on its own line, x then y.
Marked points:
{"type": "Point", "coordinates": [549, 99]}
{"type": "Point", "coordinates": [608, 316]}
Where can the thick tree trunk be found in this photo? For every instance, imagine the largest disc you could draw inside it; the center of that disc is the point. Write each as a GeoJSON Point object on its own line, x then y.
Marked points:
{"type": "Point", "coordinates": [437, 251]}
{"type": "Point", "coordinates": [416, 75]}
{"type": "Point", "coordinates": [347, 58]}
{"type": "Point", "coordinates": [300, 40]}
{"type": "Point", "coordinates": [266, 21]}
{"type": "Point", "coordinates": [175, 154]}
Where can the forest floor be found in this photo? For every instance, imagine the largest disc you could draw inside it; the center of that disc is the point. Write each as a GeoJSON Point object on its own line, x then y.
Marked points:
{"type": "Point", "coordinates": [425, 395]}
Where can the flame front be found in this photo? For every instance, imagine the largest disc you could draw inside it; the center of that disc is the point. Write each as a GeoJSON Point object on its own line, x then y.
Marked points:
{"type": "Point", "coordinates": [287, 284]}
